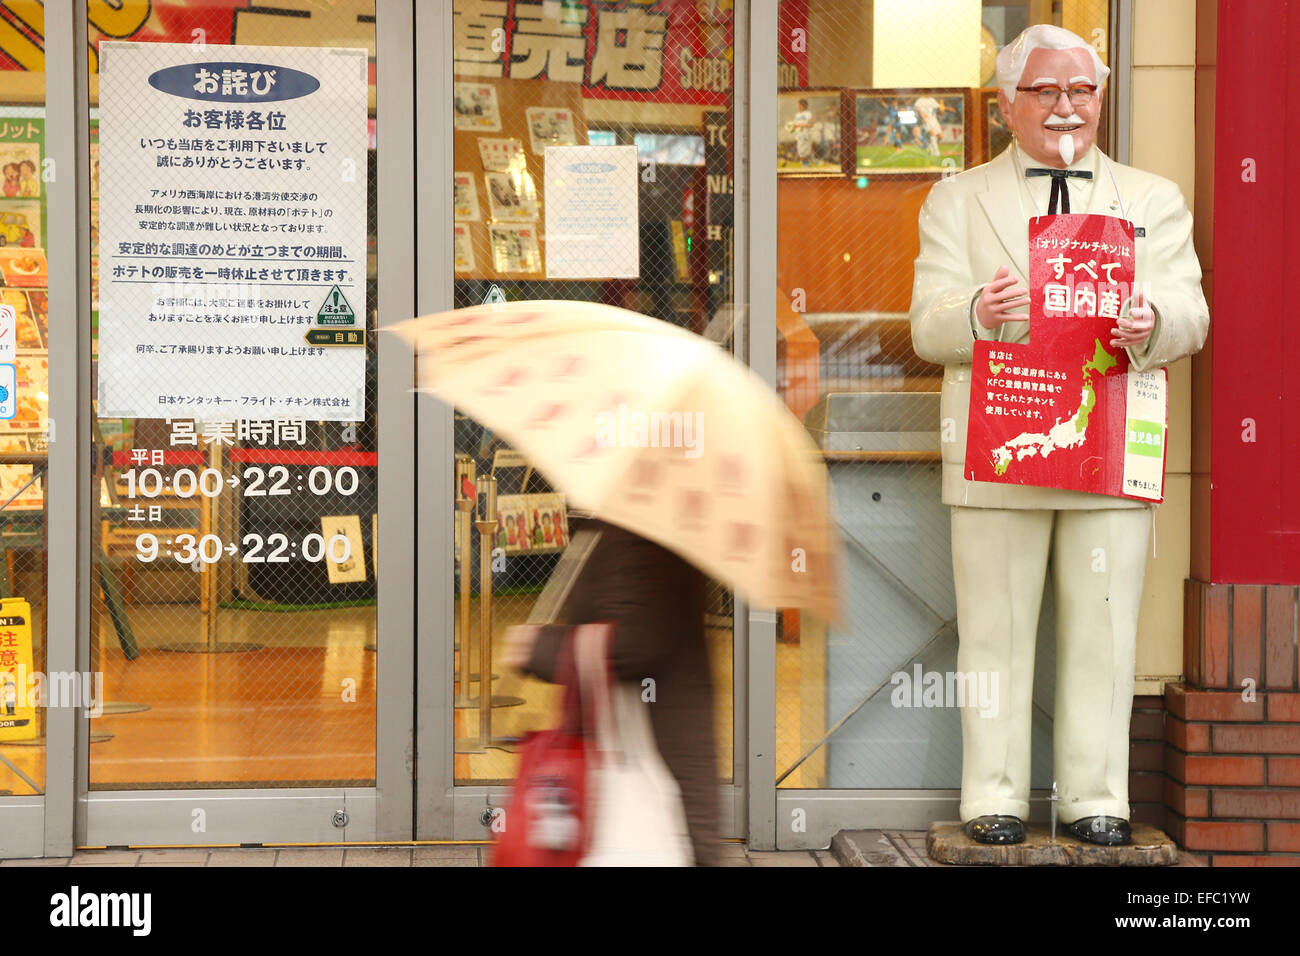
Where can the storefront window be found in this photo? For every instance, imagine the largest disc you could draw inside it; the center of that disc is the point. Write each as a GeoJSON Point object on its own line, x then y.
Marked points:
{"type": "Point", "coordinates": [24, 417]}
{"type": "Point", "coordinates": [880, 100]}
{"type": "Point", "coordinates": [233, 219]}
{"type": "Point", "coordinates": [653, 79]}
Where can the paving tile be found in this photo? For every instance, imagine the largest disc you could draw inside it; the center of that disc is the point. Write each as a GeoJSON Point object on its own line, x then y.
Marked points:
{"type": "Point", "coordinates": [183, 855]}
{"type": "Point", "coordinates": [84, 865]}
{"type": "Point", "coordinates": [866, 848]}
{"type": "Point", "coordinates": [911, 857]}
{"type": "Point", "coordinates": [423, 854]}
{"type": "Point", "coordinates": [189, 863]}
{"type": "Point", "coordinates": [733, 849]}
{"type": "Point", "coordinates": [446, 861]}
{"type": "Point", "coordinates": [105, 858]}
{"type": "Point", "coordinates": [249, 857]}
{"type": "Point", "coordinates": [378, 856]}
{"type": "Point", "coordinates": [782, 858]}
{"type": "Point", "coordinates": [826, 858]}
{"type": "Point", "coordinates": [332, 856]}
{"type": "Point", "coordinates": [41, 861]}
{"type": "Point", "coordinates": [911, 854]}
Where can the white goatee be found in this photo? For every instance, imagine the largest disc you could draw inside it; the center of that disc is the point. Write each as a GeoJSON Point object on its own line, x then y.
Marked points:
{"type": "Point", "coordinates": [1065, 146]}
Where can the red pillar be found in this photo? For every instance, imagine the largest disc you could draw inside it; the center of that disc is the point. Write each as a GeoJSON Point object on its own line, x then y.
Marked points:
{"type": "Point", "coordinates": [1255, 311]}
{"type": "Point", "coordinates": [1232, 730]}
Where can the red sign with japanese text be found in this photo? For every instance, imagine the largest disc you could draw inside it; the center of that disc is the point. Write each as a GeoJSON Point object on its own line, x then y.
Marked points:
{"type": "Point", "coordinates": [1064, 410]}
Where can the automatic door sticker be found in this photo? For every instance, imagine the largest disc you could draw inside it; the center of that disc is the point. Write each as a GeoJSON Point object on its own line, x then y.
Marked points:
{"type": "Point", "coordinates": [335, 310]}
{"type": "Point", "coordinates": [8, 391]}
{"type": "Point", "coordinates": [8, 333]}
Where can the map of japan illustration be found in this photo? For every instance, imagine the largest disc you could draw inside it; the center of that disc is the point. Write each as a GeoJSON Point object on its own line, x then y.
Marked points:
{"type": "Point", "coordinates": [1070, 433]}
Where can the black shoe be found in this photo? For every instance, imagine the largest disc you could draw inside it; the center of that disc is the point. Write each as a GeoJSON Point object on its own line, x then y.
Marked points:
{"type": "Point", "coordinates": [996, 828]}
{"type": "Point", "coordinates": [1103, 830]}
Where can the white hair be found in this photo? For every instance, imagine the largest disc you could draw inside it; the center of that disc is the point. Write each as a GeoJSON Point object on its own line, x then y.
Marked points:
{"type": "Point", "coordinates": [1041, 36]}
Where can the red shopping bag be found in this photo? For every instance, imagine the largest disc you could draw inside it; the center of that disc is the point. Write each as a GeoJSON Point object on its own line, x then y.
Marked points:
{"type": "Point", "coordinates": [546, 822]}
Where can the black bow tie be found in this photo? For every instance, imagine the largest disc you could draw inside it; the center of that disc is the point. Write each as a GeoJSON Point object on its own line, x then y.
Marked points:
{"type": "Point", "coordinates": [1059, 187]}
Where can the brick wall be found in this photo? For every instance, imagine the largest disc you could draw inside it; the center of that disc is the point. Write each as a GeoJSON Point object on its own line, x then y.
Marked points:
{"type": "Point", "coordinates": [1232, 731]}
{"type": "Point", "coordinates": [1146, 761]}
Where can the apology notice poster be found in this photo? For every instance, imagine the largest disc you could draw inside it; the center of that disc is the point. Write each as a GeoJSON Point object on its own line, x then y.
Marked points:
{"type": "Point", "coordinates": [232, 223]}
{"type": "Point", "coordinates": [1064, 410]}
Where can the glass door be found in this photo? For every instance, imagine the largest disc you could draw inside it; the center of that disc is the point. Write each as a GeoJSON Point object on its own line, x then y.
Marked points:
{"type": "Point", "coordinates": [243, 411]}
{"type": "Point", "coordinates": [645, 87]}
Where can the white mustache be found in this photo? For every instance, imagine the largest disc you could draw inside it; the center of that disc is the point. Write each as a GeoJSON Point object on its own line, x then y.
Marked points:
{"type": "Point", "coordinates": [1072, 120]}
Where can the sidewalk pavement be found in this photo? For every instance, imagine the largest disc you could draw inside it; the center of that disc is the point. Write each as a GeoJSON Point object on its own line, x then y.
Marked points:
{"type": "Point", "coordinates": [733, 854]}
{"type": "Point", "coordinates": [907, 848]}
{"type": "Point", "coordinates": [849, 848]}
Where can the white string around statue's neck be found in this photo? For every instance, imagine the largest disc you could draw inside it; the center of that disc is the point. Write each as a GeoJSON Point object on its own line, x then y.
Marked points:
{"type": "Point", "coordinates": [1123, 212]}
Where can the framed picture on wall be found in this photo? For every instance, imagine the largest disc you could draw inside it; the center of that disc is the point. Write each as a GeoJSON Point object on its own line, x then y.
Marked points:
{"type": "Point", "coordinates": [909, 132]}
{"type": "Point", "coordinates": [810, 138]}
{"type": "Point", "coordinates": [997, 134]}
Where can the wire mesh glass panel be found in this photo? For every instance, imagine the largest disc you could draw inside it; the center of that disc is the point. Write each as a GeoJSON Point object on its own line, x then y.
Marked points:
{"type": "Point", "coordinates": [25, 693]}
{"type": "Point", "coordinates": [234, 282]}
{"type": "Point", "coordinates": [541, 88]}
{"type": "Point", "coordinates": [879, 100]}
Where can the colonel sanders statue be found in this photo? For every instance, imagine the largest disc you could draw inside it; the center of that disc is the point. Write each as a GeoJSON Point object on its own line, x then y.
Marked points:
{"type": "Point", "coordinates": [971, 283]}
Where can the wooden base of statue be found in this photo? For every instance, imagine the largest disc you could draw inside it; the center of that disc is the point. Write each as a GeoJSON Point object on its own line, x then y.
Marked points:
{"type": "Point", "coordinates": [948, 843]}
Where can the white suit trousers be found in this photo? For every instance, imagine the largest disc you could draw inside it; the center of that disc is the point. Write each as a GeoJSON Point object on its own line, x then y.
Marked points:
{"type": "Point", "coordinates": [999, 566]}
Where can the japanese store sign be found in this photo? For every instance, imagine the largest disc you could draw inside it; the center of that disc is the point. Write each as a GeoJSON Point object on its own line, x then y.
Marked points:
{"type": "Point", "coordinates": [232, 222]}
{"type": "Point", "coordinates": [592, 227]}
{"type": "Point", "coordinates": [676, 51]}
{"type": "Point", "coordinates": [1064, 411]}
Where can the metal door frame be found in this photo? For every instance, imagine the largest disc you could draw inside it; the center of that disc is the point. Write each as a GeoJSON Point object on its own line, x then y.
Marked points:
{"type": "Point", "coordinates": [252, 815]}
{"type": "Point", "coordinates": [445, 811]}
{"type": "Point", "coordinates": [34, 825]}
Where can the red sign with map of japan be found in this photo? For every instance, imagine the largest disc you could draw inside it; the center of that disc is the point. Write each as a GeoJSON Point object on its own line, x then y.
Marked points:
{"type": "Point", "coordinates": [1063, 410]}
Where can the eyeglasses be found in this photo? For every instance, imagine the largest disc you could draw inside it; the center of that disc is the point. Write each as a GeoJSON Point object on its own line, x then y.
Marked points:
{"type": "Point", "coordinates": [1049, 96]}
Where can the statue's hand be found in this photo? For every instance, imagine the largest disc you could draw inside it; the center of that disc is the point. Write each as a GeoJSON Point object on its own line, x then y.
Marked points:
{"type": "Point", "coordinates": [1137, 328]}
{"type": "Point", "coordinates": [998, 299]}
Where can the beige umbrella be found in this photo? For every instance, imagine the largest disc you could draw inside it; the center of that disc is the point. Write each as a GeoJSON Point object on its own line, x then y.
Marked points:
{"type": "Point", "coordinates": [651, 428]}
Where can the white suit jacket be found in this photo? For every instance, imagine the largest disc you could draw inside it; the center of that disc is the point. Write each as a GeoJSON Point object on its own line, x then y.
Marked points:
{"type": "Point", "coordinates": [975, 222]}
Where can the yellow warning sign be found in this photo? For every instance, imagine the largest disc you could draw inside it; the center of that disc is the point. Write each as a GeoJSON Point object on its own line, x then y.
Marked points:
{"type": "Point", "coordinates": [17, 705]}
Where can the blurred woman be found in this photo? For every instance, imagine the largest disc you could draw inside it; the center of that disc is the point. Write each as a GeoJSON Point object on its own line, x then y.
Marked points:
{"type": "Point", "coordinates": [656, 601]}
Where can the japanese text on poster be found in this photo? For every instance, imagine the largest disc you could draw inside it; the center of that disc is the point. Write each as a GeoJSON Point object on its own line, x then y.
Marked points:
{"type": "Point", "coordinates": [233, 229]}
{"type": "Point", "coordinates": [592, 227]}
{"type": "Point", "coordinates": [1064, 410]}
